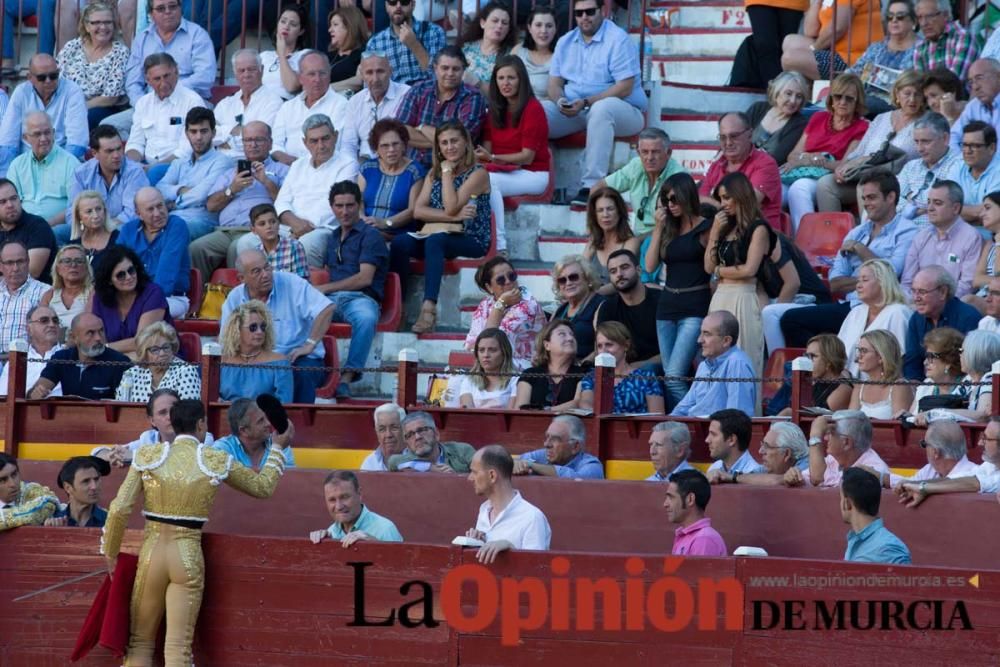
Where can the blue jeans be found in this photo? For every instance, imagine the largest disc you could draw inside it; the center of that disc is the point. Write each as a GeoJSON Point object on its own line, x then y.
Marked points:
{"type": "Point", "coordinates": [62, 232]}
{"type": "Point", "coordinates": [361, 312]}
{"type": "Point", "coordinates": [198, 227]}
{"type": "Point", "coordinates": [46, 24]}
{"type": "Point", "coordinates": [156, 172]}
{"type": "Point", "coordinates": [434, 250]}
{"type": "Point", "coordinates": [678, 344]}
{"type": "Point", "coordinates": [306, 381]}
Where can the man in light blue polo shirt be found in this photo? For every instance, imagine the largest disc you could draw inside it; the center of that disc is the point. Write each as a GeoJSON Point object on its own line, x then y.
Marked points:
{"type": "Point", "coordinates": [250, 436]}
{"type": "Point", "coordinates": [669, 448]}
{"type": "Point", "coordinates": [722, 359]}
{"type": "Point", "coordinates": [868, 541]}
{"type": "Point", "coordinates": [728, 443]}
{"type": "Point", "coordinates": [564, 453]}
{"type": "Point", "coordinates": [352, 520]}
{"type": "Point", "coordinates": [595, 85]}
{"type": "Point", "coordinates": [980, 173]}
{"type": "Point", "coordinates": [301, 316]}
{"type": "Point", "coordinates": [42, 175]}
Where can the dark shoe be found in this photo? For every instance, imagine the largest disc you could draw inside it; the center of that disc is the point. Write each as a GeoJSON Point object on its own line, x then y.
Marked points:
{"type": "Point", "coordinates": [343, 390]}
{"type": "Point", "coordinates": [581, 197]}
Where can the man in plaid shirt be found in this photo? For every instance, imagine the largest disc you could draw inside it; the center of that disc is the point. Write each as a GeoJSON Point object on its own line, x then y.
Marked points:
{"type": "Point", "coordinates": [19, 293]}
{"type": "Point", "coordinates": [946, 43]}
{"type": "Point", "coordinates": [408, 44]}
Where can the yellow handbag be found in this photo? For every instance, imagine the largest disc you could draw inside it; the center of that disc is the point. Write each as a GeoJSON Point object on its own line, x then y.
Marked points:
{"type": "Point", "coordinates": [211, 305]}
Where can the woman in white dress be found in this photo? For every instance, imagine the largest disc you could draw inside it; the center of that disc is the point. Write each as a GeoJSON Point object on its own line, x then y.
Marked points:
{"type": "Point", "coordinates": [492, 383]}
{"type": "Point", "coordinates": [883, 306]}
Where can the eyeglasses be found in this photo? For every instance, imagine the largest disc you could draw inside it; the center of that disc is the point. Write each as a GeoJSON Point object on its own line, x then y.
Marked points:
{"type": "Point", "coordinates": [163, 9]}
{"type": "Point", "coordinates": [72, 261]}
{"type": "Point", "coordinates": [578, 13]}
{"type": "Point", "coordinates": [393, 3]}
{"type": "Point", "coordinates": [924, 292]}
{"type": "Point", "coordinates": [723, 138]}
{"type": "Point", "coordinates": [45, 320]}
{"type": "Point", "coordinates": [125, 273]}
{"type": "Point", "coordinates": [100, 23]}
{"type": "Point", "coordinates": [863, 350]}
{"type": "Point", "coordinates": [641, 213]}
{"type": "Point", "coordinates": [417, 431]}
{"type": "Point", "coordinates": [256, 271]}
{"type": "Point", "coordinates": [902, 16]}
{"type": "Point", "coordinates": [972, 146]}
{"type": "Point", "coordinates": [812, 356]}
{"type": "Point", "coordinates": [47, 76]}
{"type": "Point", "coordinates": [160, 349]}
{"type": "Point", "coordinates": [932, 356]}
{"type": "Point", "coordinates": [14, 262]}
{"type": "Point", "coordinates": [841, 97]}
{"type": "Point", "coordinates": [928, 17]}
{"type": "Point", "coordinates": [254, 327]}
{"type": "Point", "coordinates": [503, 280]}
{"type": "Point", "coordinates": [570, 278]}
{"type": "Point", "coordinates": [983, 438]}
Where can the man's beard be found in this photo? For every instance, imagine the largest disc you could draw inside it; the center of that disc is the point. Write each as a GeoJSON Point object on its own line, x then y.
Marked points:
{"type": "Point", "coordinates": [94, 351]}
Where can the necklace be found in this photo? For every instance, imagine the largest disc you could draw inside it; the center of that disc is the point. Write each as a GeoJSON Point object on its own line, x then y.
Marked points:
{"type": "Point", "coordinates": [248, 357]}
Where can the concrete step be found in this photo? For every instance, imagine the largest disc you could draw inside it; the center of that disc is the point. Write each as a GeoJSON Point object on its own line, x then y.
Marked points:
{"type": "Point", "coordinates": [697, 70]}
{"type": "Point", "coordinates": [552, 248]}
{"type": "Point", "coordinates": [696, 41]}
{"type": "Point", "coordinates": [712, 14]}
{"type": "Point", "coordinates": [695, 158]}
{"type": "Point", "coordinates": [561, 220]}
{"type": "Point", "coordinates": [688, 98]}
{"type": "Point", "coordinates": [691, 128]}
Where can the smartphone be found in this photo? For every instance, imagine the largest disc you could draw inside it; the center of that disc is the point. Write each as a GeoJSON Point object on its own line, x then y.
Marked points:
{"type": "Point", "coordinates": [565, 104]}
{"type": "Point", "coordinates": [242, 165]}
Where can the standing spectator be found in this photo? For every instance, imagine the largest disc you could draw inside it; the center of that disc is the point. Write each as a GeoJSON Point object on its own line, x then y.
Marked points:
{"type": "Point", "coordinates": [96, 62]}
{"type": "Point", "coordinates": [935, 305]}
{"type": "Point", "coordinates": [281, 67]}
{"type": "Point", "coordinates": [316, 98]}
{"type": "Point", "coordinates": [608, 231]}
{"type": "Point", "coordinates": [378, 100]}
{"type": "Point", "coordinates": [984, 84]}
{"type": "Point", "coordinates": [19, 292]}
{"type": "Point", "coordinates": [868, 541]}
{"type": "Point", "coordinates": [575, 286]}
{"type": "Point", "coordinates": [636, 390]}
{"type": "Point", "coordinates": [409, 44]}
{"type": "Point", "coordinates": [91, 227]}
{"type": "Point", "coordinates": [252, 102]}
{"type": "Point", "coordinates": [125, 298]}
{"type": "Point", "coordinates": [881, 305]}
{"type": "Point", "coordinates": [113, 176]}
{"type": "Point", "coordinates": [686, 500]}
{"type": "Point", "coordinates": [98, 368]}
{"type": "Point", "coordinates": [552, 382]}
{"type": "Point", "coordinates": [455, 193]}
{"type": "Point", "coordinates": [540, 36]}
{"type": "Point", "coordinates": [515, 146]}
{"type": "Point", "coordinates": [634, 305]}
{"type": "Point", "coordinates": [252, 366]}
{"type": "Point", "coordinates": [429, 104]}
{"type": "Point", "coordinates": [945, 42]}
{"type": "Point", "coordinates": [827, 48]}
{"type": "Point", "coordinates": [43, 174]}
{"type": "Point", "coordinates": [492, 382]}
{"type": "Point", "coordinates": [879, 357]}
{"type": "Point", "coordinates": [489, 36]}
{"type": "Point", "coordinates": [778, 122]}
{"type": "Point", "coordinates": [595, 85]}
{"type": "Point", "coordinates": [391, 182]}
{"type": "Point", "coordinates": [43, 341]}
{"type": "Point", "coordinates": [895, 52]}
{"type": "Point", "coordinates": [937, 162]}
{"type": "Point", "coordinates": [44, 91]}
{"type": "Point", "coordinates": [507, 306]}
{"type": "Point", "coordinates": [158, 367]}
{"type": "Point", "coordinates": [348, 35]}
{"type": "Point", "coordinates": [979, 174]}
{"type": "Point", "coordinates": [758, 61]}
{"type": "Point", "coordinates": [29, 230]}
{"type": "Point", "coordinates": [72, 284]}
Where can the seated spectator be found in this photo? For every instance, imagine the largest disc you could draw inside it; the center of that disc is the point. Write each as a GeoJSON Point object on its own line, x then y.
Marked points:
{"type": "Point", "coordinates": [984, 478]}
{"type": "Point", "coordinates": [80, 479]}
{"type": "Point", "coordinates": [160, 242]}
{"type": "Point", "coordinates": [887, 145]}
{"type": "Point", "coordinates": [895, 52]}
{"type": "Point", "coordinates": [984, 84]}
{"type": "Point", "coordinates": [826, 47]}
{"type": "Point", "coordinates": [111, 175]}
{"type": "Point", "coordinates": [686, 501]}
{"type": "Point", "coordinates": [828, 136]}
{"type": "Point", "coordinates": [540, 36]}
{"type": "Point", "coordinates": [429, 105]}
{"type": "Point", "coordinates": [721, 357]}
{"type": "Point", "coordinates": [507, 306]}
{"type": "Point", "coordinates": [158, 413]}
{"type": "Point", "coordinates": [945, 446]}
{"type": "Point", "coordinates": [506, 521]}
{"type": "Point", "coordinates": [636, 390]}
{"type": "Point", "coordinates": [609, 232]}
{"type": "Point", "coordinates": [126, 299]}
{"type": "Point", "coordinates": [979, 173]}
{"type": "Point", "coordinates": [988, 266]}
{"type": "Point", "coordinates": [678, 242]}
{"type": "Point", "coordinates": [391, 182]}
{"type": "Point", "coordinates": [43, 341]}
{"type": "Point", "coordinates": [357, 261]}
{"type": "Point", "coordinates": [488, 37]}
{"type": "Point", "coordinates": [389, 433]}
{"type": "Point", "coordinates": [282, 66]}
{"type": "Point", "coordinates": [831, 386]}
{"type": "Point", "coordinates": [492, 381]}
{"type": "Point", "coordinates": [738, 154]}
{"type": "Point", "coordinates": [284, 253]}
{"type": "Point", "coordinates": [316, 99]}
{"type": "Point", "coordinates": [778, 122]}
{"type": "Point", "coordinates": [801, 286]}
{"type": "Point", "coordinates": [879, 359]}
{"type": "Point", "coordinates": [564, 454]}
{"type": "Point", "coordinates": [634, 305]}
{"type": "Point", "coordinates": [29, 230]}
{"type": "Point", "coordinates": [352, 520]}
{"type": "Point", "coordinates": [453, 195]}
{"type": "Point", "coordinates": [947, 241]}
{"type": "Point", "coordinates": [95, 61]}
{"type": "Point", "coordinates": [992, 306]}
{"type": "Point", "coordinates": [425, 452]}
{"type": "Point", "coordinates": [942, 370]}
{"type": "Point", "coordinates": [937, 162]}
{"type": "Point", "coordinates": [782, 448]}
{"type": "Point", "coordinates": [868, 541]}
{"type": "Point", "coordinates": [251, 436]}
{"type": "Point", "coordinates": [935, 305]}
{"type": "Point", "coordinates": [251, 365]}
{"type": "Point", "coordinates": [575, 284]}
{"type": "Point", "coordinates": [158, 367]}
{"type": "Point", "coordinates": [669, 449]}
{"type": "Point", "coordinates": [303, 202]}
{"type": "Point", "coordinates": [61, 99]}
{"type": "Point", "coordinates": [555, 358]}
{"type": "Point", "coordinates": [19, 292]}
{"type": "Point", "coordinates": [945, 43]}
{"type": "Point", "coordinates": [301, 317]}
{"type": "Point", "coordinates": [378, 100]}
{"type": "Point", "coordinates": [945, 93]}
{"type": "Point", "coordinates": [882, 306]}
{"type": "Point", "coordinates": [599, 91]}
{"type": "Point", "coordinates": [837, 442]}
{"type": "Point", "coordinates": [92, 229]}
{"type": "Point", "coordinates": [728, 440]}
{"type": "Point", "coordinates": [72, 285]}
{"type": "Point", "coordinates": [980, 350]}
{"type": "Point", "coordinates": [22, 503]}
{"type": "Point", "coordinates": [42, 174]}
{"type": "Point", "coordinates": [98, 368]}
{"type": "Point", "coordinates": [515, 146]}
{"type": "Point", "coordinates": [235, 195]}
{"type": "Point", "coordinates": [253, 102]}
{"type": "Point", "coordinates": [348, 31]}
{"type": "Point", "coordinates": [157, 136]}
{"type": "Point", "coordinates": [410, 44]}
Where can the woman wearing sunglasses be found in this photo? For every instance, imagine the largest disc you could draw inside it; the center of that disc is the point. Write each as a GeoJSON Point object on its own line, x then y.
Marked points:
{"type": "Point", "coordinates": [158, 367]}
{"type": "Point", "coordinates": [72, 284]}
{"type": "Point", "coordinates": [126, 299]}
{"type": "Point", "coordinates": [508, 307]}
{"type": "Point", "coordinates": [250, 366]}
{"type": "Point", "coordinates": [575, 285]}
{"type": "Point", "coordinates": [942, 370]}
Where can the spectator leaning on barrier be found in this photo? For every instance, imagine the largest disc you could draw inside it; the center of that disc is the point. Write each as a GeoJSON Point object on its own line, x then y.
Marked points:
{"type": "Point", "coordinates": [868, 541]}
{"type": "Point", "coordinates": [784, 447]}
{"type": "Point", "coordinates": [945, 446]}
{"type": "Point", "coordinates": [83, 369]}
{"type": "Point", "coordinates": [352, 520]}
{"type": "Point", "coordinates": [425, 452]}
{"type": "Point", "coordinates": [389, 433]}
{"type": "Point", "coordinates": [43, 342]}
{"type": "Point", "coordinates": [837, 442]}
{"type": "Point", "coordinates": [669, 449]}
{"type": "Point", "coordinates": [935, 305]}
{"type": "Point", "coordinates": [721, 359]}
{"type": "Point", "coordinates": [251, 436]}
{"type": "Point", "coordinates": [686, 500]}
{"type": "Point", "coordinates": [80, 479]}
{"type": "Point", "coordinates": [22, 503]}
{"type": "Point", "coordinates": [564, 453]}
{"type": "Point", "coordinates": [728, 441]}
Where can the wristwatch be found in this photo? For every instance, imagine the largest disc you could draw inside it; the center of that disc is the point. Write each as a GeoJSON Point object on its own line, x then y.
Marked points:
{"type": "Point", "coordinates": [923, 488]}
{"type": "Point", "coordinates": [228, 192]}
{"type": "Point", "coordinates": [388, 222]}
{"type": "Point", "coordinates": [312, 341]}
{"type": "Point", "coordinates": [814, 441]}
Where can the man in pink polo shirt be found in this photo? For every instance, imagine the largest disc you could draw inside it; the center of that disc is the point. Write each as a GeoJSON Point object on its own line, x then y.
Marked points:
{"type": "Point", "coordinates": [687, 497]}
{"type": "Point", "coordinates": [837, 442]}
{"type": "Point", "coordinates": [737, 153]}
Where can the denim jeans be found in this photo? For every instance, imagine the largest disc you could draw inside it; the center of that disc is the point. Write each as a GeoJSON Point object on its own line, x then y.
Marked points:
{"type": "Point", "coordinates": [678, 344]}
{"type": "Point", "coordinates": [306, 381]}
{"type": "Point", "coordinates": [46, 24]}
{"type": "Point", "coordinates": [198, 227]}
{"type": "Point", "coordinates": [434, 250]}
{"type": "Point", "coordinates": [361, 312]}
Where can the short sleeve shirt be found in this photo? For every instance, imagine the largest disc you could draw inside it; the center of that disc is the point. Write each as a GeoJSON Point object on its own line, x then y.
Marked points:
{"type": "Point", "coordinates": [93, 381]}
{"type": "Point", "coordinates": [363, 245]}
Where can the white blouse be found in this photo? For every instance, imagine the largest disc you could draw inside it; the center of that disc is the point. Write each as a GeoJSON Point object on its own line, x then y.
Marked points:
{"type": "Point", "coordinates": [893, 318]}
{"type": "Point", "coordinates": [181, 377]}
{"type": "Point", "coordinates": [272, 72]}
{"type": "Point", "coordinates": [482, 398]}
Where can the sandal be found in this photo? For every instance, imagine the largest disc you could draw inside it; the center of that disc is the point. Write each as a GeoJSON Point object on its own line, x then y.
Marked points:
{"type": "Point", "coordinates": [427, 320]}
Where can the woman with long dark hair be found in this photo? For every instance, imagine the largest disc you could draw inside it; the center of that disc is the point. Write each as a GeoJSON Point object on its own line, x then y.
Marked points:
{"type": "Point", "coordinates": [608, 230]}
{"type": "Point", "coordinates": [281, 66]}
{"type": "Point", "coordinates": [490, 35]}
{"type": "Point", "coordinates": [540, 36]}
{"type": "Point", "coordinates": [125, 298]}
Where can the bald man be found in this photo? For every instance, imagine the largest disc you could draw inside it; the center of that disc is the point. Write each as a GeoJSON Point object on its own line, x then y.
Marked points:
{"type": "Point", "coordinates": [42, 175]}
{"type": "Point", "coordinates": [83, 372]}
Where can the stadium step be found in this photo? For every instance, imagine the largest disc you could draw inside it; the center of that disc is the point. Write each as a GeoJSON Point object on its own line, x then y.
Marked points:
{"type": "Point", "coordinates": [696, 41]}
{"type": "Point", "coordinates": [691, 128]}
{"type": "Point", "coordinates": [701, 70]}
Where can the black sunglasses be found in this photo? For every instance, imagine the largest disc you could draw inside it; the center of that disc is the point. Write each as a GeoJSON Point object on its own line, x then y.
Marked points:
{"type": "Point", "coordinates": [50, 76]}
{"type": "Point", "coordinates": [503, 280]}
{"type": "Point", "coordinates": [641, 213]}
{"type": "Point", "coordinates": [124, 273]}
{"type": "Point", "coordinates": [254, 327]}
{"type": "Point", "coordinates": [393, 3]}
{"type": "Point", "coordinates": [584, 12]}
{"type": "Point", "coordinates": [571, 278]}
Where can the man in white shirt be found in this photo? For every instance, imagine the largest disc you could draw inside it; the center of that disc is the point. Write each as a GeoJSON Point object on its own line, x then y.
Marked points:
{"type": "Point", "coordinates": [43, 341]}
{"type": "Point", "coordinates": [251, 102]}
{"type": "Point", "coordinates": [379, 99]}
{"type": "Point", "coordinates": [157, 135]}
{"type": "Point", "coordinates": [389, 432]}
{"type": "Point", "coordinates": [316, 98]}
{"type": "Point", "coordinates": [945, 446]}
{"type": "Point", "coordinates": [303, 203]}
{"type": "Point", "coordinates": [992, 320]}
{"type": "Point", "coordinates": [837, 442]}
{"type": "Point", "coordinates": [506, 520]}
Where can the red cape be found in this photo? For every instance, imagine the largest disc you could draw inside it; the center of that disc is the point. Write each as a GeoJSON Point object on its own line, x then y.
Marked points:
{"type": "Point", "coordinates": [107, 622]}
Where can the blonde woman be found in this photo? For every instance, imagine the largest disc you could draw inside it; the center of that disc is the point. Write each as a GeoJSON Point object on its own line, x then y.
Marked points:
{"type": "Point", "coordinates": [91, 226]}
{"type": "Point", "coordinates": [575, 284]}
{"type": "Point", "coordinates": [72, 284]}
{"type": "Point", "coordinates": [778, 122]}
{"type": "Point", "coordinates": [942, 368]}
{"type": "Point", "coordinates": [492, 383]}
{"type": "Point", "coordinates": [158, 367]}
{"type": "Point", "coordinates": [880, 359]}
{"type": "Point", "coordinates": [250, 366]}
{"type": "Point", "coordinates": [883, 306]}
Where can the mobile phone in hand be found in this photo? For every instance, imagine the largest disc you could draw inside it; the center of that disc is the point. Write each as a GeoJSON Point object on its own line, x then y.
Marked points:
{"type": "Point", "coordinates": [242, 166]}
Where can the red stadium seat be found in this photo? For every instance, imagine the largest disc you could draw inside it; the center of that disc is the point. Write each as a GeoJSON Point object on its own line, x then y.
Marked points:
{"type": "Point", "coordinates": [390, 311]}
{"type": "Point", "coordinates": [221, 92]}
{"type": "Point", "coordinates": [331, 359]}
{"type": "Point", "coordinates": [318, 276]}
{"type": "Point", "coordinates": [820, 235]}
{"type": "Point", "coordinates": [461, 359]}
{"type": "Point", "coordinates": [190, 346]}
{"type": "Point", "coordinates": [226, 277]}
{"type": "Point", "coordinates": [579, 140]}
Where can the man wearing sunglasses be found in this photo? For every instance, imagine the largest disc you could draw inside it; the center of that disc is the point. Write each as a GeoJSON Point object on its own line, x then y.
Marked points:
{"type": "Point", "coordinates": [46, 91]}
{"type": "Point", "coordinates": [595, 85]}
{"type": "Point", "coordinates": [992, 320]}
{"type": "Point", "coordinates": [43, 342]}
{"type": "Point", "coordinates": [410, 45]}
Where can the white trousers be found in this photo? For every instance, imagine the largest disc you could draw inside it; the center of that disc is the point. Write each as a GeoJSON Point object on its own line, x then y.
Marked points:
{"type": "Point", "coordinates": [510, 184]}
{"type": "Point", "coordinates": [179, 306]}
{"type": "Point", "coordinates": [801, 200]}
{"type": "Point", "coordinates": [771, 315]}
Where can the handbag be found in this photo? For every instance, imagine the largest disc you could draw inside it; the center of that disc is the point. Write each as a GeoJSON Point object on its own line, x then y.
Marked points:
{"type": "Point", "coordinates": [805, 171]}
{"type": "Point", "coordinates": [211, 305]}
{"type": "Point", "coordinates": [770, 278]}
{"type": "Point", "coordinates": [884, 159]}
{"type": "Point", "coordinates": [942, 402]}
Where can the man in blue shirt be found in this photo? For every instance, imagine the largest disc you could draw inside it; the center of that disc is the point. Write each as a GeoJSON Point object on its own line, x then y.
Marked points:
{"type": "Point", "coordinates": [935, 305]}
{"type": "Point", "coordinates": [595, 85]}
{"type": "Point", "coordinates": [358, 261]}
{"type": "Point", "coordinates": [352, 520]}
{"type": "Point", "coordinates": [80, 477]}
{"type": "Point", "coordinates": [250, 436]}
{"type": "Point", "coordinates": [410, 45]}
{"type": "Point", "coordinates": [87, 377]}
{"type": "Point", "coordinates": [979, 174]}
{"type": "Point", "coordinates": [719, 333]}
{"type": "Point", "coordinates": [728, 441]}
{"type": "Point", "coordinates": [984, 106]}
{"type": "Point", "coordinates": [868, 540]}
{"type": "Point", "coordinates": [669, 448]}
{"type": "Point", "coordinates": [564, 453]}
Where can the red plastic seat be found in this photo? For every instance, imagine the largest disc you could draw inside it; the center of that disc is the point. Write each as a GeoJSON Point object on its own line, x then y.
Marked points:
{"type": "Point", "coordinates": [511, 203]}
{"type": "Point", "coordinates": [461, 359]}
{"type": "Point", "coordinates": [775, 368]}
{"type": "Point", "coordinates": [190, 346]}
{"type": "Point", "coordinates": [318, 276]}
{"type": "Point", "coordinates": [225, 277]}
{"type": "Point", "coordinates": [331, 359]}
{"type": "Point", "coordinates": [820, 235]}
{"type": "Point", "coordinates": [219, 93]}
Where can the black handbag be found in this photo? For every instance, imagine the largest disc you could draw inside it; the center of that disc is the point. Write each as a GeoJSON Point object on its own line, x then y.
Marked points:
{"type": "Point", "coordinates": [942, 402]}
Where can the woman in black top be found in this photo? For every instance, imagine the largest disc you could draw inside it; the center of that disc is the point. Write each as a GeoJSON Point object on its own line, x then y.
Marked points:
{"type": "Point", "coordinates": [348, 35]}
{"type": "Point", "coordinates": [801, 286]}
{"type": "Point", "coordinates": [831, 387]}
{"type": "Point", "coordinates": [575, 285]}
{"type": "Point", "coordinates": [678, 241]}
{"type": "Point", "coordinates": [555, 358]}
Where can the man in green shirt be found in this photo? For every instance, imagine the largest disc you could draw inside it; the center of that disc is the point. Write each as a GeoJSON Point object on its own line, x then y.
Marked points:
{"type": "Point", "coordinates": [352, 520]}
{"type": "Point", "coordinates": [43, 175]}
{"type": "Point", "coordinates": [424, 452]}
